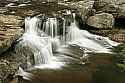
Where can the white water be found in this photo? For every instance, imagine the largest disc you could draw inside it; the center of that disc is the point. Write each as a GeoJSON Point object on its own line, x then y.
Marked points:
{"type": "Point", "coordinates": [50, 27]}
{"type": "Point", "coordinates": [44, 42]}
{"type": "Point", "coordinates": [43, 47]}
{"type": "Point", "coordinates": [87, 40]}
{"type": "Point", "coordinates": [40, 46]}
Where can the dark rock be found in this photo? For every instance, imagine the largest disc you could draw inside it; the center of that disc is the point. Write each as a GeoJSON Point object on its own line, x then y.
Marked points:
{"type": "Point", "coordinates": [115, 7]}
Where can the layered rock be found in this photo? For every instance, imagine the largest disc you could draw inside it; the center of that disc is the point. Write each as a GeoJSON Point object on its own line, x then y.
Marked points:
{"type": "Point", "coordinates": [102, 20]}
{"type": "Point", "coordinates": [10, 30]}
{"type": "Point", "coordinates": [115, 7]}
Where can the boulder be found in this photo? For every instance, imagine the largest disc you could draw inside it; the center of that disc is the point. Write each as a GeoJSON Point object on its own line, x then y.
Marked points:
{"type": "Point", "coordinates": [10, 30]}
{"type": "Point", "coordinates": [84, 8]}
{"type": "Point", "coordinates": [102, 21]}
{"type": "Point", "coordinates": [115, 7]}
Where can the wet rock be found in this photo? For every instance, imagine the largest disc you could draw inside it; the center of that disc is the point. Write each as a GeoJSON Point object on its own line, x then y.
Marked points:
{"type": "Point", "coordinates": [115, 7]}
{"type": "Point", "coordinates": [102, 20]}
{"type": "Point", "coordinates": [10, 30]}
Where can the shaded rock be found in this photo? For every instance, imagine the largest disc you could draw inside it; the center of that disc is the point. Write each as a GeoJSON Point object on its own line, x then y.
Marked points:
{"type": "Point", "coordinates": [10, 30]}
{"type": "Point", "coordinates": [22, 55]}
{"type": "Point", "coordinates": [103, 21]}
{"type": "Point", "coordinates": [105, 33]}
{"type": "Point", "coordinates": [115, 7]}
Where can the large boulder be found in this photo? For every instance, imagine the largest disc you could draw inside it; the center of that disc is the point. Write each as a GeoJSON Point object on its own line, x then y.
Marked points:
{"type": "Point", "coordinates": [102, 20]}
{"type": "Point", "coordinates": [10, 30]}
{"type": "Point", "coordinates": [115, 7]}
{"type": "Point", "coordinates": [84, 8]}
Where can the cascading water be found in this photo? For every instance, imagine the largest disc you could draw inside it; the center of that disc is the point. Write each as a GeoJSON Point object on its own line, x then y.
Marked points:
{"type": "Point", "coordinates": [41, 46]}
{"type": "Point", "coordinates": [50, 27]}
{"type": "Point", "coordinates": [48, 40]}
{"type": "Point", "coordinates": [87, 40]}
{"type": "Point", "coordinates": [82, 38]}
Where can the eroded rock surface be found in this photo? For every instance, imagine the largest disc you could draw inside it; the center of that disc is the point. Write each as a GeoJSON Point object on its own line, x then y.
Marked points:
{"type": "Point", "coordinates": [115, 7]}
{"type": "Point", "coordinates": [102, 20]}
{"type": "Point", "coordinates": [10, 30]}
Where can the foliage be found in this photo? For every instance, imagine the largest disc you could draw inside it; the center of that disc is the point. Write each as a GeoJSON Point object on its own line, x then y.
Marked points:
{"type": "Point", "coordinates": [120, 50]}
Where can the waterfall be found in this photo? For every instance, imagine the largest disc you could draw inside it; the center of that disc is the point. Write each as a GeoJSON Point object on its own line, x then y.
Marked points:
{"type": "Point", "coordinates": [73, 35]}
{"type": "Point", "coordinates": [50, 27]}
{"type": "Point", "coordinates": [41, 46]}
{"type": "Point", "coordinates": [87, 40]}
{"type": "Point", "coordinates": [44, 43]}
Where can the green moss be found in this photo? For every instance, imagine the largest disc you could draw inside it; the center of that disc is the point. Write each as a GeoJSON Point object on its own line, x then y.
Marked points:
{"type": "Point", "coordinates": [120, 50]}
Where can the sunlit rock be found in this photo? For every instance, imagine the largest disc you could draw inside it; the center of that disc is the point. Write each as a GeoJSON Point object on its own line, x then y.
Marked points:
{"type": "Point", "coordinates": [10, 30]}
{"type": "Point", "coordinates": [102, 20]}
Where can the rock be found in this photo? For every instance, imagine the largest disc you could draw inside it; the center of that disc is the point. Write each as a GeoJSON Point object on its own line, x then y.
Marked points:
{"type": "Point", "coordinates": [102, 21]}
{"type": "Point", "coordinates": [7, 69]}
{"type": "Point", "coordinates": [46, 0]}
{"type": "Point", "coordinates": [119, 36]}
{"type": "Point", "coordinates": [115, 7]}
{"type": "Point", "coordinates": [84, 8]}
{"type": "Point", "coordinates": [19, 1]}
{"type": "Point", "coordinates": [105, 33]}
{"type": "Point", "coordinates": [3, 10]}
{"type": "Point", "coordinates": [10, 30]}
